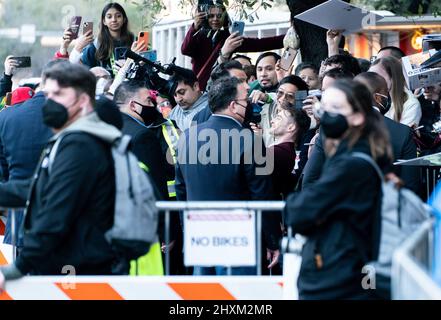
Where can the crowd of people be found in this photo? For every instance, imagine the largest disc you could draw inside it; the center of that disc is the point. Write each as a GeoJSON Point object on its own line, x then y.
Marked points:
{"type": "Point", "coordinates": [272, 134]}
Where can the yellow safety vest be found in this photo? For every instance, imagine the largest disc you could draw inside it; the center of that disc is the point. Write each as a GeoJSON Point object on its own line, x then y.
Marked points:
{"type": "Point", "coordinates": [171, 136]}
{"type": "Point", "coordinates": [150, 264]}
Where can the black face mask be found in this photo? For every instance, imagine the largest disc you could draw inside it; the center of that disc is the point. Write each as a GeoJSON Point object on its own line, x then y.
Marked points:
{"type": "Point", "coordinates": [248, 114]}
{"type": "Point", "coordinates": [385, 105]}
{"type": "Point", "coordinates": [148, 114]}
{"type": "Point", "coordinates": [334, 125]}
{"type": "Point", "coordinates": [55, 115]}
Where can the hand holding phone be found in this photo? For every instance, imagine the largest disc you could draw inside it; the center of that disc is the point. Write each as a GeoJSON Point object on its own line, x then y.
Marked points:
{"type": "Point", "coordinates": [87, 27]}
{"type": "Point", "coordinates": [300, 97]}
{"type": "Point", "coordinates": [288, 58]}
{"type": "Point", "coordinates": [143, 40]}
{"type": "Point", "coordinates": [74, 26]}
{"type": "Point", "coordinates": [22, 62]}
{"type": "Point", "coordinates": [10, 65]}
{"type": "Point", "coordinates": [238, 26]}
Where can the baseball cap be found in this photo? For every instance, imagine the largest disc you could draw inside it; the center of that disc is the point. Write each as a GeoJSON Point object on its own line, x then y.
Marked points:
{"type": "Point", "coordinates": [21, 94]}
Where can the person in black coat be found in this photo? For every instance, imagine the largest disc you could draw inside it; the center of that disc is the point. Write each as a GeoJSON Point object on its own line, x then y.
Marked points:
{"type": "Point", "coordinates": [71, 201]}
{"type": "Point", "coordinates": [401, 139]}
{"type": "Point", "coordinates": [217, 179]}
{"type": "Point", "coordinates": [143, 122]}
{"type": "Point", "coordinates": [135, 102]}
{"type": "Point", "coordinates": [341, 214]}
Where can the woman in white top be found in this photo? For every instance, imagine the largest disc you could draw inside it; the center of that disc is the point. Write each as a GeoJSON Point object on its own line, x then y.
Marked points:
{"type": "Point", "coordinates": [405, 108]}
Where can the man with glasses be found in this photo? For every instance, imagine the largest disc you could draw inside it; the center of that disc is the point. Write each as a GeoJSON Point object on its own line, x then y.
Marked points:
{"type": "Point", "coordinates": [229, 170]}
{"type": "Point", "coordinates": [229, 69]}
{"type": "Point", "coordinates": [285, 94]}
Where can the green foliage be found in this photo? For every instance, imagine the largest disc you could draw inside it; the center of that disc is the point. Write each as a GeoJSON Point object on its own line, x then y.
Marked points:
{"type": "Point", "coordinates": [244, 9]}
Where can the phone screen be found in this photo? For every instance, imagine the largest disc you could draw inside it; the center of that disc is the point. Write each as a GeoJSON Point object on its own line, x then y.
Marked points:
{"type": "Point", "coordinates": [75, 26]}
{"type": "Point", "coordinates": [300, 97]}
{"type": "Point", "coordinates": [23, 62]}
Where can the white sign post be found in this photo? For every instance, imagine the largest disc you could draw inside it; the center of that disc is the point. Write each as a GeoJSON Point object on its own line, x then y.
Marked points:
{"type": "Point", "coordinates": [220, 238]}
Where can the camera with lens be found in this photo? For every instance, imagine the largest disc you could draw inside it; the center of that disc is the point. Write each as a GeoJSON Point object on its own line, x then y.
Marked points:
{"type": "Point", "coordinates": [146, 71]}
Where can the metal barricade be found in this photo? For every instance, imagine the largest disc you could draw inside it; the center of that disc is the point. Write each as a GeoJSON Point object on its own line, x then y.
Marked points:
{"type": "Point", "coordinates": [412, 267]}
{"type": "Point", "coordinates": [14, 231]}
{"type": "Point", "coordinates": [258, 206]}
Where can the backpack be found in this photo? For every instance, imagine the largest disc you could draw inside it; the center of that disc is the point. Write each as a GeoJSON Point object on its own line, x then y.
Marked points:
{"type": "Point", "coordinates": [135, 223]}
{"type": "Point", "coordinates": [402, 212]}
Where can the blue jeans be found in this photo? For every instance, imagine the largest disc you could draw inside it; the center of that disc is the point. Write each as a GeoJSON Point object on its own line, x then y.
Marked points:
{"type": "Point", "coordinates": [223, 271]}
{"type": "Point", "coordinates": [18, 229]}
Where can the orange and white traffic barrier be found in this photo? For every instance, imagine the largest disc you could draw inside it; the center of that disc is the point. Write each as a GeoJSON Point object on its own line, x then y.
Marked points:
{"type": "Point", "coordinates": [144, 288]}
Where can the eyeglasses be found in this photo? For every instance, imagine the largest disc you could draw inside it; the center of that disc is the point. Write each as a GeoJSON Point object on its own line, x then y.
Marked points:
{"type": "Point", "coordinates": [217, 15]}
{"type": "Point", "coordinates": [288, 95]}
{"type": "Point", "coordinates": [164, 104]}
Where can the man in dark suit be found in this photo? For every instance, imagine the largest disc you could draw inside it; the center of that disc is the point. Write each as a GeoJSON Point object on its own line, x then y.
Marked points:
{"type": "Point", "coordinates": [403, 146]}
{"type": "Point", "coordinates": [22, 139]}
{"type": "Point", "coordinates": [227, 171]}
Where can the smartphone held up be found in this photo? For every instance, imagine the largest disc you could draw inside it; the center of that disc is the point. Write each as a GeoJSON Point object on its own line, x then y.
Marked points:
{"type": "Point", "coordinates": [22, 62]}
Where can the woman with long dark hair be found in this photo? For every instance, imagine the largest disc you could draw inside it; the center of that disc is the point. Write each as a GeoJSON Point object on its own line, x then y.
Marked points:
{"type": "Point", "coordinates": [113, 33]}
{"type": "Point", "coordinates": [340, 214]}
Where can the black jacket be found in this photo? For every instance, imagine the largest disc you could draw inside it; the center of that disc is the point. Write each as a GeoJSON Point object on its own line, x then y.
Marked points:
{"type": "Point", "coordinates": [147, 148]}
{"type": "Point", "coordinates": [70, 210]}
{"type": "Point", "coordinates": [341, 216]}
{"type": "Point", "coordinates": [403, 147]}
{"type": "Point", "coordinates": [223, 182]}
